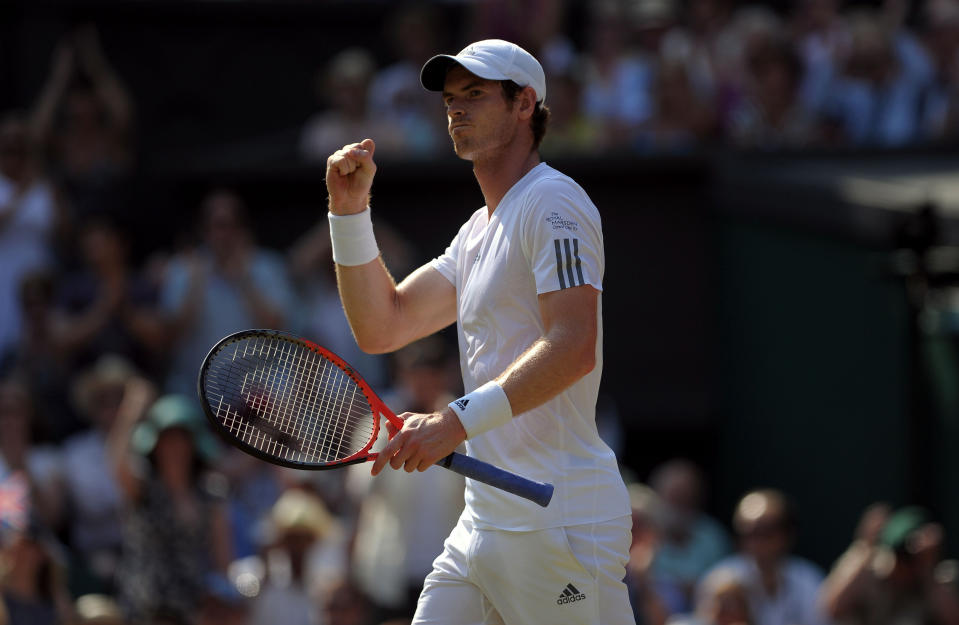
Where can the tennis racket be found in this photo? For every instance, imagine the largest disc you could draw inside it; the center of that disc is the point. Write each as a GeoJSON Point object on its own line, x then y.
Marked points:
{"type": "Point", "coordinates": [296, 404]}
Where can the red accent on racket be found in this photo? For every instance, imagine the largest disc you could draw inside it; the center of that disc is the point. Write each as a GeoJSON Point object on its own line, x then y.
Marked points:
{"type": "Point", "coordinates": [294, 403]}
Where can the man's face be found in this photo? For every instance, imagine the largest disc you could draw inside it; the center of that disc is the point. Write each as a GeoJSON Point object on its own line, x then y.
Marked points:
{"type": "Point", "coordinates": [765, 538]}
{"type": "Point", "coordinates": [481, 121]}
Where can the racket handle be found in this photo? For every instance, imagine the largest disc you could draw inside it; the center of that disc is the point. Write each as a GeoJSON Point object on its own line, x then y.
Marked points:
{"type": "Point", "coordinates": [537, 492]}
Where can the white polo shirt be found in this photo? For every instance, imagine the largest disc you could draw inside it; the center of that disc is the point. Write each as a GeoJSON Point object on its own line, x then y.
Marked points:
{"type": "Point", "coordinates": [545, 235]}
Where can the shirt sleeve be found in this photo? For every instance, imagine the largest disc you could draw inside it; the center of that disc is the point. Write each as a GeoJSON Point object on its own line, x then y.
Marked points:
{"type": "Point", "coordinates": [446, 262]}
{"type": "Point", "coordinates": [563, 238]}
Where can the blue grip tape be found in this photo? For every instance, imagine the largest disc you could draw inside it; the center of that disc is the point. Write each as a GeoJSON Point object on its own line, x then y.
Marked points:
{"type": "Point", "coordinates": [480, 471]}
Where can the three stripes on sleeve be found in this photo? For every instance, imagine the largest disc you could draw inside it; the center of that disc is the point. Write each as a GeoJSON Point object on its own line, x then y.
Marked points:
{"type": "Point", "coordinates": [569, 268]}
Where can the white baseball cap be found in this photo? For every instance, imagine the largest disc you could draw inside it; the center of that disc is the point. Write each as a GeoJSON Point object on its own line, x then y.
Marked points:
{"type": "Point", "coordinates": [493, 59]}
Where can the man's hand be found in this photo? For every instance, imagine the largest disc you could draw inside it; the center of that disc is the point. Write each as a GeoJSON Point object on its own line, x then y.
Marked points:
{"type": "Point", "coordinates": [424, 439]}
{"type": "Point", "coordinates": [349, 177]}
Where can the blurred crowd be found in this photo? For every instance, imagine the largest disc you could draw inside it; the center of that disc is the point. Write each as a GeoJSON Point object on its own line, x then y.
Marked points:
{"type": "Point", "coordinates": [118, 506]}
{"type": "Point", "coordinates": [667, 76]}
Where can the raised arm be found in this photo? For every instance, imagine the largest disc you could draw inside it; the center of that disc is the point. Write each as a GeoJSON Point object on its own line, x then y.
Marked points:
{"type": "Point", "coordinates": [384, 316]}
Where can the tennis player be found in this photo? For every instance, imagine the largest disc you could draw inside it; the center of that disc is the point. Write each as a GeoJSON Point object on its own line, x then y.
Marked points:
{"type": "Point", "coordinates": [522, 280]}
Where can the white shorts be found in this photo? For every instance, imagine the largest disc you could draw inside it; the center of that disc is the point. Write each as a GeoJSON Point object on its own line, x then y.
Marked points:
{"type": "Point", "coordinates": [569, 575]}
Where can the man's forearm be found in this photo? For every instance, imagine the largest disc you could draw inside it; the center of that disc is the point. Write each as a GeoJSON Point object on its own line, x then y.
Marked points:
{"type": "Point", "coordinates": [545, 370]}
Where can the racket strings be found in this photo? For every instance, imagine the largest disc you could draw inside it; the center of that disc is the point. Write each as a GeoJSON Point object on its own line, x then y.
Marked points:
{"type": "Point", "coordinates": [288, 401]}
{"type": "Point", "coordinates": [282, 427]}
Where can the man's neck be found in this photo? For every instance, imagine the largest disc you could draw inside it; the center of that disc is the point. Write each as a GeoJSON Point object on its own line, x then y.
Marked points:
{"type": "Point", "coordinates": [496, 176]}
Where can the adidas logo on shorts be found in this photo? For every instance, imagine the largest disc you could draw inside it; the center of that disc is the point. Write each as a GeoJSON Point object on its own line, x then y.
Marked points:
{"type": "Point", "coordinates": [569, 595]}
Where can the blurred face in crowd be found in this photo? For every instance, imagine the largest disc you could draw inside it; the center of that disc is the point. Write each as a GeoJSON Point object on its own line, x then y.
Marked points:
{"type": "Point", "coordinates": [871, 56]}
{"type": "Point", "coordinates": [680, 487]}
{"type": "Point", "coordinates": [224, 229]}
{"type": "Point", "coordinates": [174, 454]}
{"type": "Point", "coordinates": [14, 149]}
{"type": "Point", "coordinates": [761, 525]}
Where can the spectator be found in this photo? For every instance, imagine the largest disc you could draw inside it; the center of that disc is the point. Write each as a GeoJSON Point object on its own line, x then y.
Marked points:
{"type": "Point", "coordinates": [32, 590]}
{"type": "Point", "coordinates": [84, 121]}
{"type": "Point", "coordinates": [697, 43]}
{"type": "Point", "coordinates": [254, 488]}
{"type": "Point", "coordinates": [893, 573]}
{"type": "Point", "coordinates": [32, 466]}
{"type": "Point", "coordinates": [175, 529]}
{"type": "Point", "coordinates": [753, 30]}
{"type": "Point", "coordinates": [395, 93]}
{"type": "Point", "coordinates": [298, 526]}
{"type": "Point", "coordinates": [228, 284]}
{"type": "Point", "coordinates": [679, 122]}
{"type": "Point", "coordinates": [650, 600]}
{"type": "Point", "coordinates": [571, 130]}
{"type": "Point", "coordinates": [691, 542]}
{"type": "Point", "coordinates": [108, 307]}
{"type": "Point", "coordinates": [940, 112]}
{"type": "Point", "coordinates": [403, 519]}
{"type": "Point", "coordinates": [29, 215]}
{"type": "Point", "coordinates": [771, 115]}
{"type": "Point", "coordinates": [877, 97]}
{"type": "Point", "coordinates": [93, 498]}
{"type": "Point", "coordinates": [41, 359]}
{"type": "Point", "coordinates": [822, 39]}
{"type": "Point", "coordinates": [343, 89]}
{"type": "Point", "coordinates": [724, 601]}
{"type": "Point", "coordinates": [617, 86]}
{"type": "Point", "coordinates": [782, 588]}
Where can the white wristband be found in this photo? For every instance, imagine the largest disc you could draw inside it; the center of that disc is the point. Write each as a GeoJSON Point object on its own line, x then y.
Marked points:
{"type": "Point", "coordinates": [484, 409]}
{"type": "Point", "coordinates": [352, 238]}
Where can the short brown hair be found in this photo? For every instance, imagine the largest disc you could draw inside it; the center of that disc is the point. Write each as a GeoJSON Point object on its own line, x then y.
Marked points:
{"type": "Point", "coordinates": [541, 113]}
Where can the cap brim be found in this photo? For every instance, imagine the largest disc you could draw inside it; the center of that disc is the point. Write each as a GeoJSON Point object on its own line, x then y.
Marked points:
{"type": "Point", "coordinates": [433, 74]}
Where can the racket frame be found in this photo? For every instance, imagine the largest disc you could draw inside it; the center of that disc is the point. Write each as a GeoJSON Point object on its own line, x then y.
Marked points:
{"type": "Point", "coordinates": [377, 406]}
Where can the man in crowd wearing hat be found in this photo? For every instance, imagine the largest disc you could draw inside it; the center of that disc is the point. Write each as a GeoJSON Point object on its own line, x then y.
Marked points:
{"type": "Point", "coordinates": [892, 572]}
{"type": "Point", "coordinates": [522, 280]}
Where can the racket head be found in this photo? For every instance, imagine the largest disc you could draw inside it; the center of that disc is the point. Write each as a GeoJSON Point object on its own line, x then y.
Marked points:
{"type": "Point", "coordinates": [288, 401]}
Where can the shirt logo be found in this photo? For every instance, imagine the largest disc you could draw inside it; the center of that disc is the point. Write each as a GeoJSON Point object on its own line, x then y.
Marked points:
{"type": "Point", "coordinates": [569, 595]}
{"type": "Point", "coordinates": [561, 223]}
